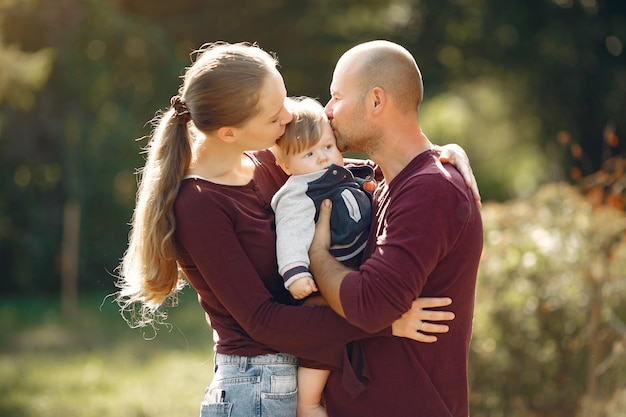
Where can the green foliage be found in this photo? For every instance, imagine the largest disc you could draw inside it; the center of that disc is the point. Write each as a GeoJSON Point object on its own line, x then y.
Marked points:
{"type": "Point", "coordinates": [23, 74]}
{"type": "Point", "coordinates": [96, 366]}
{"type": "Point", "coordinates": [81, 79]}
{"type": "Point", "coordinates": [79, 139]}
{"type": "Point", "coordinates": [479, 116]}
{"type": "Point", "coordinates": [549, 326]}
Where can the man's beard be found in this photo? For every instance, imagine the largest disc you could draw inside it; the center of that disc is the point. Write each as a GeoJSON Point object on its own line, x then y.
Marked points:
{"type": "Point", "coordinates": [361, 142]}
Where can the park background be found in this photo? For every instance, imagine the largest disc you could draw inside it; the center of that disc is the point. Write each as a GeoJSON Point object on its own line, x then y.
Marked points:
{"type": "Point", "coordinates": [533, 90]}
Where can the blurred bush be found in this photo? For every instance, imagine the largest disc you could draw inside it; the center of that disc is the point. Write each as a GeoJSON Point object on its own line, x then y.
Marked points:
{"type": "Point", "coordinates": [549, 337]}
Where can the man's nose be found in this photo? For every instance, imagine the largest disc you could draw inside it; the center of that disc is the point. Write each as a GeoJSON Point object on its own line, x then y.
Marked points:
{"type": "Point", "coordinates": [329, 110]}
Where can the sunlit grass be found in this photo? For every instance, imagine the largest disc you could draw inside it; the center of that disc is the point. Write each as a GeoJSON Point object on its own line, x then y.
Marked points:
{"type": "Point", "coordinates": [94, 365]}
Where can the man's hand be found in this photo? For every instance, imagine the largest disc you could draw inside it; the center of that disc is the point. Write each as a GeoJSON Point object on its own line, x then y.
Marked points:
{"type": "Point", "coordinates": [328, 272]}
{"type": "Point", "coordinates": [321, 240]}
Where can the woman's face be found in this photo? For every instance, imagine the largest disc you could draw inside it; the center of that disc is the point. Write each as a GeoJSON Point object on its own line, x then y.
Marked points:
{"type": "Point", "coordinates": [268, 125]}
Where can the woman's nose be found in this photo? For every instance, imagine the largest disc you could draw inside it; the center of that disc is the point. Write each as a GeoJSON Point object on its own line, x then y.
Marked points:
{"type": "Point", "coordinates": [287, 117]}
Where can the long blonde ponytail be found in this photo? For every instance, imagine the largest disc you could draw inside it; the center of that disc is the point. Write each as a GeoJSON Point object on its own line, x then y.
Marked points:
{"type": "Point", "coordinates": [149, 272]}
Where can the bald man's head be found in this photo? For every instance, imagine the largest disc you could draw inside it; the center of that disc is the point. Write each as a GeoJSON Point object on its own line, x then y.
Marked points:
{"type": "Point", "coordinates": [389, 66]}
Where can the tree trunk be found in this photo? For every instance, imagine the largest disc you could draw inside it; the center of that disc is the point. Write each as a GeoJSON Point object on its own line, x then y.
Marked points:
{"type": "Point", "coordinates": [70, 259]}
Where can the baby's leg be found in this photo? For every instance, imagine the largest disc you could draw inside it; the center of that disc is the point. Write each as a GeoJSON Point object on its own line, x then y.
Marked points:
{"type": "Point", "coordinates": [310, 388]}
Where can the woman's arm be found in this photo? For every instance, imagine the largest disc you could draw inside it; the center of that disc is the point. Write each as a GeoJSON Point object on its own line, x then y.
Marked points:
{"type": "Point", "coordinates": [415, 323]}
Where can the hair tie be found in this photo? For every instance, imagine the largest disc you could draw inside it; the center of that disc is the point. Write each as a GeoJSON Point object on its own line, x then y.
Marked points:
{"type": "Point", "coordinates": [181, 112]}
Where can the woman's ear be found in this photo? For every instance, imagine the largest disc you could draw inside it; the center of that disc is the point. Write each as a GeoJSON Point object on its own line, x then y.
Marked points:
{"type": "Point", "coordinates": [226, 134]}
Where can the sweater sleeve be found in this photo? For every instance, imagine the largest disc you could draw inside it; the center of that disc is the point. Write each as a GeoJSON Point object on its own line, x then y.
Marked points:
{"type": "Point", "coordinates": [295, 226]}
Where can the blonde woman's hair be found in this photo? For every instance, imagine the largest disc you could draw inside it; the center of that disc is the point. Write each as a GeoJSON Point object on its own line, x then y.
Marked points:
{"type": "Point", "coordinates": [305, 129]}
{"type": "Point", "coordinates": [220, 88]}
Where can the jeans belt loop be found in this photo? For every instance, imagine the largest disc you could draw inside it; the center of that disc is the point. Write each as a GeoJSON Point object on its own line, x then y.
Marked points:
{"type": "Point", "coordinates": [243, 364]}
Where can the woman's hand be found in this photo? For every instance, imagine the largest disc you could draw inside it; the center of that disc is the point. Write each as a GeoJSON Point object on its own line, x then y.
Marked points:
{"type": "Point", "coordinates": [415, 323]}
{"type": "Point", "coordinates": [455, 155]}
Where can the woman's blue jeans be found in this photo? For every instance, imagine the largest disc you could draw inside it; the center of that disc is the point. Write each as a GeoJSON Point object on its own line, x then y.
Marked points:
{"type": "Point", "coordinates": [258, 386]}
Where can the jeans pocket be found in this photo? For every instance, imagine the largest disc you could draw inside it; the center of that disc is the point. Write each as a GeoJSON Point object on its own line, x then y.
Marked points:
{"type": "Point", "coordinates": [279, 404]}
{"type": "Point", "coordinates": [213, 404]}
{"type": "Point", "coordinates": [215, 409]}
{"type": "Point", "coordinates": [281, 400]}
{"type": "Point", "coordinates": [283, 384]}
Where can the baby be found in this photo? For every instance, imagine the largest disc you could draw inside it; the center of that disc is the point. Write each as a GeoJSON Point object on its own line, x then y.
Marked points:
{"type": "Point", "coordinates": [307, 151]}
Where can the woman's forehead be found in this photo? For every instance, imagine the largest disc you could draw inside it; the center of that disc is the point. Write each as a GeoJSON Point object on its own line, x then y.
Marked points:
{"type": "Point", "coordinates": [273, 94]}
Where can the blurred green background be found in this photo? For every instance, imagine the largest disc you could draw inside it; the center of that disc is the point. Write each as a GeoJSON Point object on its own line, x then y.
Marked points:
{"type": "Point", "coordinates": [535, 91]}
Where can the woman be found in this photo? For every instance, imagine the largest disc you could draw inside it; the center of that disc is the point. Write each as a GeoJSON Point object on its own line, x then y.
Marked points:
{"type": "Point", "coordinates": [204, 205]}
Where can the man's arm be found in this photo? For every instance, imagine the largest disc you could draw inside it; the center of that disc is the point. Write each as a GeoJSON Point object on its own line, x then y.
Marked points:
{"type": "Point", "coordinates": [329, 275]}
{"type": "Point", "coordinates": [327, 271]}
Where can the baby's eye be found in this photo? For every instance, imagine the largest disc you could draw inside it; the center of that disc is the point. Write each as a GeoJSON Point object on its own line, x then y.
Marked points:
{"type": "Point", "coordinates": [308, 154]}
{"type": "Point", "coordinates": [328, 147]}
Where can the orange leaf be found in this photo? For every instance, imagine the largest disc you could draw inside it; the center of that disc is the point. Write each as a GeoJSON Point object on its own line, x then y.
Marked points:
{"type": "Point", "coordinates": [563, 138]}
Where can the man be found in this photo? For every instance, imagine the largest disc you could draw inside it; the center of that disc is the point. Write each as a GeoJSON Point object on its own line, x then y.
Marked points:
{"type": "Point", "coordinates": [425, 240]}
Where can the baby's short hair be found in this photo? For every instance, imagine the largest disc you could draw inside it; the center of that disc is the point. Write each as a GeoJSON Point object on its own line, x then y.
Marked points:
{"type": "Point", "coordinates": [305, 130]}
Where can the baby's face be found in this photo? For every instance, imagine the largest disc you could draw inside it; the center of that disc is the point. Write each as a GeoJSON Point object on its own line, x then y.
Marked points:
{"type": "Point", "coordinates": [315, 158]}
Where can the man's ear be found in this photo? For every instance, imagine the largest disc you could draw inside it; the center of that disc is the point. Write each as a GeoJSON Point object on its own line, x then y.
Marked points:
{"type": "Point", "coordinates": [378, 99]}
{"type": "Point", "coordinates": [226, 133]}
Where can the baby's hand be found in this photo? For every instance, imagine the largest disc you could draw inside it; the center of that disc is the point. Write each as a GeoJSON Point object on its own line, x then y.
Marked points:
{"type": "Point", "coordinates": [302, 288]}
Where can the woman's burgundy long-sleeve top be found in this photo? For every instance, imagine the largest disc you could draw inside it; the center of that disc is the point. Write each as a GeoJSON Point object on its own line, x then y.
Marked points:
{"type": "Point", "coordinates": [226, 237]}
